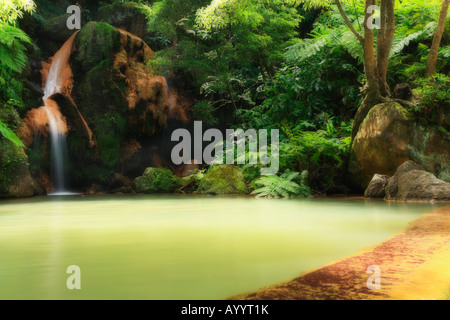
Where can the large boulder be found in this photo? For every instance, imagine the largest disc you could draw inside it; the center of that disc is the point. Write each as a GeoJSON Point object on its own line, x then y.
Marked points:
{"type": "Point", "coordinates": [377, 186]}
{"type": "Point", "coordinates": [223, 179]}
{"type": "Point", "coordinates": [129, 16]}
{"type": "Point", "coordinates": [412, 182]}
{"type": "Point", "coordinates": [156, 180]}
{"type": "Point", "coordinates": [388, 137]}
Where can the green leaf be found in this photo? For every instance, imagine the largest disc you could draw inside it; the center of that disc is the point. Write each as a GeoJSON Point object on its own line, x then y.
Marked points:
{"type": "Point", "coordinates": [10, 135]}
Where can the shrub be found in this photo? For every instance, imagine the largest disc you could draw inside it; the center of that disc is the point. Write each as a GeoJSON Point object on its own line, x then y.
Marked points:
{"type": "Point", "coordinates": [322, 153]}
{"type": "Point", "coordinates": [283, 186]}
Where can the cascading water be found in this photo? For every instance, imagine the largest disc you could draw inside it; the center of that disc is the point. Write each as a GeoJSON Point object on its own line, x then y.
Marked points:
{"type": "Point", "coordinates": [58, 146]}
{"type": "Point", "coordinates": [58, 81]}
{"type": "Point", "coordinates": [172, 99]}
{"type": "Point", "coordinates": [175, 111]}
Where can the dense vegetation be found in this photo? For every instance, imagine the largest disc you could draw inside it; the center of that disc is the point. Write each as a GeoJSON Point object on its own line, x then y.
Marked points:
{"type": "Point", "coordinates": [295, 65]}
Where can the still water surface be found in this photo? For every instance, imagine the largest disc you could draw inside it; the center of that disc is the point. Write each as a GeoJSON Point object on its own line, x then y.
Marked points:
{"type": "Point", "coordinates": [180, 247]}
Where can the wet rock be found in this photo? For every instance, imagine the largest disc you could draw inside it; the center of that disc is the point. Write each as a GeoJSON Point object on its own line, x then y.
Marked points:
{"type": "Point", "coordinates": [388, 137]}
{"type": "Point", "coordinates": [223, 179]}
{"type": "Point", "coordinates": [156, 180]}
{"type": "Point", "coordinates": [122, 102]}
{"type": "Point", "coordinates": [15, 178]}
{"type": "Point", "coordinates": [128, 16]}
{"type": "Point", "coordinates": [376, 188]}
{"type": "Point", "coordinates": [412, 182]}
{"type": "Point", "coordinates": [56, 28]}
{"type": "Point", "coordinates": [402, 91]}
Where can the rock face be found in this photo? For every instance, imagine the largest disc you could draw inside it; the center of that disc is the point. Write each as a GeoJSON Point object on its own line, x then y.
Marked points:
{"type": "Point", "coordinates": [388, 137]}
{"type": "Point", "coordinates": [377, 186]}
{"type": "Point", "coordinates": [156, 180]}
{"type": "Point", "coordinates": [15, 178]}
{"type": "Point", "coordinates": [412, 182]}
{"type": "Point", "coordinates": [114, 107]}
{"type": "Point", "coordinates": [128, 16]}
{"type": "Point", "coordinates": [121, 101]}
{"type": "Point", "coordinates": [223, 179]}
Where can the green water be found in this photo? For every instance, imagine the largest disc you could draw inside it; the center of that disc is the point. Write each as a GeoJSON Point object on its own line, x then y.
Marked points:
{"type": "Point", "coordinates": [180, 247]}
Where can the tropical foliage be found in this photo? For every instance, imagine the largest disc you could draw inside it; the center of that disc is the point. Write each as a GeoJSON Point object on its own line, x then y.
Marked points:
{"type": "Point", "coordinates": [293, 65]}
{"type": "Point", "coordinates": [283, 186]}
{"type": "Point", "coordinates": [13, 59]}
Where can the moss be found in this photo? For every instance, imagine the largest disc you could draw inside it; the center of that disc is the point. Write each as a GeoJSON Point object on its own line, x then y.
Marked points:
{"type": "Point", "coordinates": [104, 107]}
{"type": "Point", "coordinates": [156, 180]}
{"type": "Point", "coordinates": [445, 174]}
{"type": "Point", "coordinates": [109, 145]}
{"type": "Point", "coordinates": [97, 42]}
{"type": "Point", "coordinates": [386, 109]}
{"type": "Point", "coordinates": [13, 166]}
{"type": "Point", "coordinates": [223, 179]}
{"type": "Point", "coordinates": [11, 117]}
{"type": "Point", "coordinates": [121, 11]}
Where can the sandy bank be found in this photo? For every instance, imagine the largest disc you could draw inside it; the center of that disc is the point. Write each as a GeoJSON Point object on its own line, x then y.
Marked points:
{"type": "Point", "coordinates": [414, 264]}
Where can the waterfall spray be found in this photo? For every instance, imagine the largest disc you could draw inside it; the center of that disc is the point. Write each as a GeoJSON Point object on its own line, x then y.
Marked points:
{"type": "Point", "coordinates": [58, 81]}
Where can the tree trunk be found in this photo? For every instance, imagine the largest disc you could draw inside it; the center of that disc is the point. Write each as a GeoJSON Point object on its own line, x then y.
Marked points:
{"type": "Point", "coordinates": [375, 68]}
{"type": "Point", "coordinates": [432, 58]}
{"type": "Point", "coordinates": [384, 43]}
{"type": "Point", "coordinates": [372, 91]}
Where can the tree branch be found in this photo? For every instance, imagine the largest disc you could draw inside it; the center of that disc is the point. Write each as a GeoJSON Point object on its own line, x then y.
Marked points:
{"type": "Point", "coordinates": [347, 21]}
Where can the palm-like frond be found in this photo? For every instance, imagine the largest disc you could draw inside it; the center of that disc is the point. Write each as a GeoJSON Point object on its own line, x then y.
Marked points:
{"type": "Point", "coordinates": [10, 135]}
{"type": "Point", "coordinates": [403, 40]}
{"type": "Point", "coordinates": [12, 49]}
{"type": "Point", "coordinates": [339, 35]}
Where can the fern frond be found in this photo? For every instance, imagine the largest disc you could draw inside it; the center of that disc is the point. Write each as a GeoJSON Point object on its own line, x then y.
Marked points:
{"type": "Point", "coordinates": [12, 49]}
{"type": "Point", "coordinates": [402, 41]}
{"type": "Point", "coordinates": [10, 135]}
{"type": "Point", "coordinates": [281, 186]}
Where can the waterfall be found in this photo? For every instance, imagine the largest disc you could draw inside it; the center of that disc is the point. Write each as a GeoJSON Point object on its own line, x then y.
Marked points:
{"type": "Point", "coordinates": [58, 81]}
{"type": "Point", "coordinates": [175, 111]}
{"type": "Point", "coordinates": [58, 146]}
{"type": "Point", "coordinates": [171, 98]}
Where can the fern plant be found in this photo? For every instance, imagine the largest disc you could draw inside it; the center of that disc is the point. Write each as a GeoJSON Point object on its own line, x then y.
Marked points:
{"type": "Point", "coordinates": [283, 186]}
{"type": "Point", "coordinates": [331, 31]}
{"type": "Point", "coordinates": [10, 135]}
{"type": "Point", "coordinates": [321, 152]}
{"type": "Point", "coordinates": [12, 61]}
{"type": "Point", "coordinates": [12, 50]}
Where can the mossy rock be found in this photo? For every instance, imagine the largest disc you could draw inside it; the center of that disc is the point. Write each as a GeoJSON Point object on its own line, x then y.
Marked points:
{"type": "Point", "coordinates": [15, 178]}
{"type": "Point", "coordinates": [156, 180]}
{"type": "Point", "coordinates": [388, 137]}
{"type": "Point", "coordinates": [96, 42]}
{"type": "Point", "coordinates": [101, 96]}
{"type": "Point", "coordinates": [130, 16]}
{"type": "Point", "coordinates": [110, 72]}
{"type": "Point", "coordinates": [223, 179]}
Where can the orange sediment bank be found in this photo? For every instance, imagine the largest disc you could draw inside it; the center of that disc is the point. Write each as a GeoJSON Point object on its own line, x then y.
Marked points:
{"type": "Point", "coordinates": [414, 264]}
